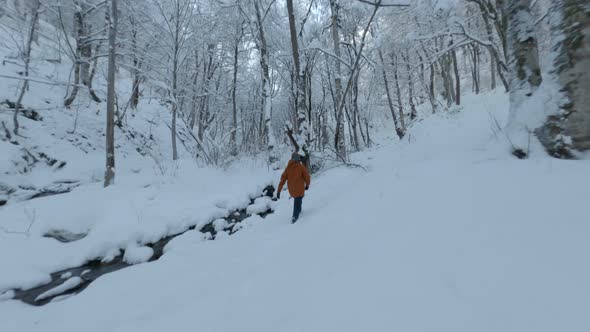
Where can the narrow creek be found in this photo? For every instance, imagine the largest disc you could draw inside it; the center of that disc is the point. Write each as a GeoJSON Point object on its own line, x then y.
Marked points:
{"type": "Point", "coordinates": [74, 280]}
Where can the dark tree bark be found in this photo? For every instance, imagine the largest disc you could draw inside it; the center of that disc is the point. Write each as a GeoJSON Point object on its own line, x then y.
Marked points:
{"type": "Point", "coordinates": [27, 61]}
{"type": "Point", "coordinates": [109, 177]}
{"type": "Point", "coordinates": [413, 112]}
{"type": "Point", "coordinates": [457, 78]}
{"type": "Point", "coordinates": [234, 129]}
{"type": "Point", "coordinates": [398, 91]}
{"type": "Point", "coordinates": [398, 130]}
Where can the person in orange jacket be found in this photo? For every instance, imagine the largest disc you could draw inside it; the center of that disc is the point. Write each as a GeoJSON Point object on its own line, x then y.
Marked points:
{"type": "Point", "coordinates": [298, 181]}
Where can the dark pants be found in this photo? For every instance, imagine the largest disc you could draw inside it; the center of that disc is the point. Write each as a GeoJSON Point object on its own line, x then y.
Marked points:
{"type": "Point", "coordinates": [297, 207]}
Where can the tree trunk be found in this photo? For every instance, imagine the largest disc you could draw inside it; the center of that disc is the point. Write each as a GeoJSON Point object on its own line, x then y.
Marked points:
{"type": "Point", "coordinates": [457, 78]}
{"type": "Point", "coordinates": [501, 21]}
{"type": "Point", "coordinates": [572, 63]}
{"type": "Point", "coordinates": [360, 124]}
{"type": "Point", "coordinates": [109, 177]}
{"type": "Point", "coordinates": [177, 34]}
{"type": "Point", "coordinates": [91, 77]}
{"type": "Point", "coordinates": [449, 89]}
{"type": "Point", "coordinates": [493, 69]}
{"type": "Point", "coordinates": [195, 99]}
{"type": "Point", "coordinates": [324, 123]}
{"type": "Point", "coordinates": [398, 92]}
{"type": "Point", "coordinates": [354, 111]}
{"type": "Point", "coordinates": [413, 111]}
{"type": "Point", "coordinates": [340, 143]}
{"type": "Point", "coordinates": [398, 130]}
{"type": "Point", "coordinates": [234, 129]}
{"type": "Point", "coordinates": [136, 64]}
{"type": "Point", "coordinates": [301, 121]}
{"type": "Point", "coordinates": [70, 99]}
{"type": "Point", "coordinates": [268, 135]}
{"type": "Point", "coordinates": [27, 60]}
{"type": "Point", "coordinates": [525, 73]}
{"type": "Point", "coordinates": [368, 135]}
{"type": "Point", "coordinates": [475, 68]}
{"type": "Point", "coordinates": [79, 27]}
{"type": "Point", "coordinates": [209, 70]}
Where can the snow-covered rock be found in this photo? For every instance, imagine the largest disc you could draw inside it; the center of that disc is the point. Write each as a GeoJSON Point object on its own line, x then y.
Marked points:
{"type": "Point", "coordinates": [137, 254]}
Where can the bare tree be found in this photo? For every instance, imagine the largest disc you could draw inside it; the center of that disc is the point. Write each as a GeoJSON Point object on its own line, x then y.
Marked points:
{"type": "Point", "coordinates": [176, 19]}
{"type": "Point", "coordinates": [355, 66]}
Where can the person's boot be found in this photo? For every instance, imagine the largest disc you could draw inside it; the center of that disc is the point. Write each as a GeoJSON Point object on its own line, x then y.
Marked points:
{"type": "Point", "coordinates": [293, 220]}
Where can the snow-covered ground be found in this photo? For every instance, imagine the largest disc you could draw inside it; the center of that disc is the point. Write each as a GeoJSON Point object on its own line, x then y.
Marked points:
{"type": "Point", "coordinates": [445, 231]}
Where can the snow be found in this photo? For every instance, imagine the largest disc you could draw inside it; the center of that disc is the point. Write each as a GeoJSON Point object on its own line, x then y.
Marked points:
{"type": "Point", "coordinates": [111, 254]}
{"type": "Point", "coordinates": [180, 242]}
{"type": "Point", "coordinates": [67, 285]}
{"type": "Point", "coordinates": [445, 231]}
{"type": "Point", "coordinates": [8, 295]}
{"type": "Point", "coordinates": [445, 4]}
{"type": "Point", "coordinates": [260, 205]}
{"type": "Point", "coordinates": [220, 224]}
{"type": "Point", "coordinates": [248, 222]}
{"type": "Point", "coordinates": [137, 254]}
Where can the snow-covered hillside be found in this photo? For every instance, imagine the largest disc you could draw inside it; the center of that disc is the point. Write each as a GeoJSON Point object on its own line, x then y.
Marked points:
{"type": "Point", "coordinates": [443, 231]}
{"type": "Point", "coordinates": [66, 145]}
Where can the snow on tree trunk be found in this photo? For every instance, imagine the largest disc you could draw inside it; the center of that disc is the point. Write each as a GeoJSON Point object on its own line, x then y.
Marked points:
{"type": "Point", "coordinates": [568, 127]}
{"type": "Point", "coordinates": [268, 135]}
{"type": "Point", "coordinates": [525, 74]}
{"type": "Point", "coordinates": [301, 120]}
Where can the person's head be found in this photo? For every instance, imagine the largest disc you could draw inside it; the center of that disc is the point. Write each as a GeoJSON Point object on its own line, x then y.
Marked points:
{"type": "Point", "coordinates": [296, 157]}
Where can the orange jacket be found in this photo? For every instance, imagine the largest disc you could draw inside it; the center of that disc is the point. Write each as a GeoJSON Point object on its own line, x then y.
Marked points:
{"type": "Point", "coordinates": [297, 178]}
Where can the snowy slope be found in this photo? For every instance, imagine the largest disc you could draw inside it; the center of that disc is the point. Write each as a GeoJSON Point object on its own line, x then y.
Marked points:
{"type": "Point", "coordinates": [74, 136]}
{"type": "Point", "coordinates": [444, 232]}
{"type": "Point", "coordinates": [153, 195]}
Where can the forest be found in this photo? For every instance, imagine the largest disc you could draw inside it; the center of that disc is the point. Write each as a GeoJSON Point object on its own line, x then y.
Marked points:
{"type": "Point", "coordinates": [437, 150]}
